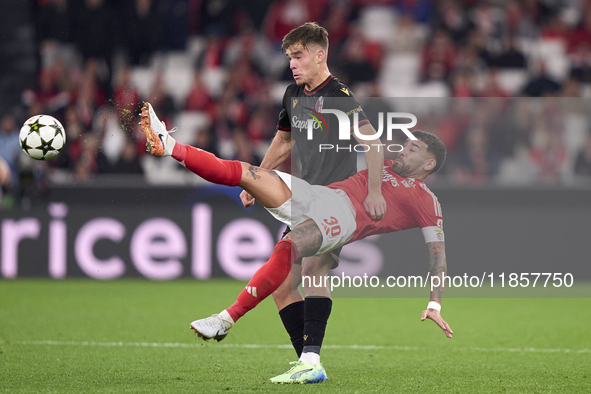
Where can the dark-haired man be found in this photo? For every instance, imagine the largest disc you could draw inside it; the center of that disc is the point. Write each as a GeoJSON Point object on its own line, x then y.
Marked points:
{"type": "Point", "coordinates": [306, 48]}
{"type": "Point", "coordinates": [309, 211]}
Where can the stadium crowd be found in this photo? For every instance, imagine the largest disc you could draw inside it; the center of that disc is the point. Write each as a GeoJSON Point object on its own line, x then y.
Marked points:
{"type": "Point", "coordinates": [215, 69]}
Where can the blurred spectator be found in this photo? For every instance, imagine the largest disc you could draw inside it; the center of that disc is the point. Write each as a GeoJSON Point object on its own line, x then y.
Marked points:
{"type": "Point", "coordinates": [359, 58]}
{"type": "Point", "coordinates": [260, 126]}
{"type": "Point", "coordinates": [476, 43]}
{"type": "Point", "coordinates": [223, 124]}
{"type": "Point", "coordinates": [285, 15]}
{"type": "Point", "coordinates": [492, 87]}
{"type": "Point", "coordinates": [419, 10]}
{"type": "Point", "coordinates": [337, 24]}
{"type": "Point", "coordinates": [198, 98]}
{"type": "Point", "coordinates": [211, 57]}
{"type": "Point", "coordinates": [581, 63]}
{"type": "Point", "coordinates": [89, 96]}
{"type": "Point", "coordinates": [582, 34]}
{"type": "Point", "coordinates": [4, 175]}
{"type": "Point", "coordinates": [9, 144]}
{"type": "Point", "coordinates": [555, 29]}
{"type": "Point", "coordinates": [462, 85]}
{"type": "Point", "coordinates": [47, 96]}
{"type": "Point", "coordinates": [477, 163]}
{"type": "Point", "coordinates": [86, 166]}
{"type": "Point", "coordinates": [205, 139]}
{"type": "Point", "coordinates": [571, 88]}
{"type": "Point", "coordinates": [128, 162]}
{"type": "Point", "coordinates": [216, 17]}
{"type": "Point", "coordinates": [54, 22]}
{"type": "Point", "coordinates": [542, 84]}
{"type": "Point", "coordinates": [438, 58]}
{"type": "Point", "coordinates": [518, 21]}
{"type": "Point", "coordinates": [142, 31]}
{"type": "Point", "coordinates": [96, 29]}
{"type": "Point", "coordinates": [244, 78]}
{"type": "Point", "coordinates": [248, 45]}
{"type": "Point", "coordinates": [452, 18]}
{"type": "Point", "coordinates": [409, 36]}
{"type": "Point", "coordinates": [126, 96]}
{"type": "Point", "coordinates": [548, 153]}
{"type": "Point", "coordinates": [485, 18]}
{"type": "Point", "coordinates": [245, 149]}
{"type": "Point", "coordinates": [511, 57]}
{"type": "Point", "coordinates": [583, 160]}
{"type": "Point", "coordinates": [161, 100]}
{"type": "Point", "coordinates": [73, 147]}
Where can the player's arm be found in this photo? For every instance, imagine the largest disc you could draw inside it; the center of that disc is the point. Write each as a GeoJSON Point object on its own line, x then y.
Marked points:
{"type": "Point", "coordinates": [280, 146]}
{"type": "Point", "coordinates": [374, 203]}
{"type": "Point", "coordinates": [278, 151]}
{"type": "Point", "coordinates": [437, 269]}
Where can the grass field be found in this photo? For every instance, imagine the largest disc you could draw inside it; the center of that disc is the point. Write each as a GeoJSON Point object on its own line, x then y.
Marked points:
{"type": "Point", "coordinates": [134, 336]}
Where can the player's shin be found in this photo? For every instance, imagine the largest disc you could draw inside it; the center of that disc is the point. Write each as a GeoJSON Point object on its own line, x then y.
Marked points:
{"type": "Point", "coordinates": [208, 166]}
{"type": "Point", "coordinates": [316, 313]}
{"type": "Point", "coordinates": [292, 317]}
{"type": "Point", "coordinates": [266, 280]}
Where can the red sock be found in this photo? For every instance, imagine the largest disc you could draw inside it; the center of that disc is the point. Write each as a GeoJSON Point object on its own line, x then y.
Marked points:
{"type": "Point", "coordinates": [266, 280]}
{"type": "Point", "coordinates": [207, 166]}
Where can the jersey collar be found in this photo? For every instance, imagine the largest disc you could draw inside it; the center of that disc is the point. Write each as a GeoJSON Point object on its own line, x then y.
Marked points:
{"type": "Point", "coordinates": [323, 84]}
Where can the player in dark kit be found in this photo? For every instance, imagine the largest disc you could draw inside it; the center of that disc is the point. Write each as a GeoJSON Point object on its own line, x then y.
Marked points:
{"type": "Point", "coordinates": [315, 89]}
{"type": "Point", "coordinates": [410, 205]}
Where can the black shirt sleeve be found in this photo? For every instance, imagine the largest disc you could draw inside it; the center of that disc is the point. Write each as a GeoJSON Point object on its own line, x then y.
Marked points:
{"type": "Point", "coordinates": [283, 123]}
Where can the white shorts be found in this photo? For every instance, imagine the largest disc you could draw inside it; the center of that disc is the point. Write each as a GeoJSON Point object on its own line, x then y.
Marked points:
{"type": "Point", "coordinates": [330, 209]}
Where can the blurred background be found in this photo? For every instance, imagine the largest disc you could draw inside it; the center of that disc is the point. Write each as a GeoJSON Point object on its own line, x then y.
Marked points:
{"type": "Point", "coordinates": [505, 84]}
{"type": "Point", "coordinates": [215, 69]}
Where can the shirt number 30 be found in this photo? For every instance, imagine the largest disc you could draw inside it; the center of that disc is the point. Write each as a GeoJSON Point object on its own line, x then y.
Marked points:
{"type": "Point", "coordinates": [333, 226]}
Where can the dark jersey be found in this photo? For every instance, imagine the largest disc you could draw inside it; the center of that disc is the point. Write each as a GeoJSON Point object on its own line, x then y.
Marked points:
{"type": "Point", "coordinates": [298, 106]}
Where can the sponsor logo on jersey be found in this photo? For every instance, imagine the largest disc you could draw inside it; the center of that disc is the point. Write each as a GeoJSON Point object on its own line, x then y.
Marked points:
{"type": "Point", "coordinates": [344, 90]}
{"type": "Point", "coordinates": [295, 102]}
{"type": "Point", "coordinates": [317, 116]}
{"type": "Point", "coordinates": [301, 124]}
{"type": "Point", "coordinates": [407, 183]}
{"type": "Point", "coordinates": [387, 177]}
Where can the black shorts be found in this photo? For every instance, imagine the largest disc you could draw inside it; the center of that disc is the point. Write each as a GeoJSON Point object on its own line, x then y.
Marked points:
{"type": "Point", "coordinates": [333, 253]}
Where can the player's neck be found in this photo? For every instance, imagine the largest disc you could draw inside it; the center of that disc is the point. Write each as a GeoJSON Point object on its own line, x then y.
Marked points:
{"type": "Point", "coordinates": [320, 77]}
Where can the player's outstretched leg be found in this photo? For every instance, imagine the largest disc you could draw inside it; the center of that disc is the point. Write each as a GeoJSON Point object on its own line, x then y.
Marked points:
{"type": "Point", "coordinates": [266, 280]}
{"type": "Point", "coordinates": [264, 185]}
{"type": "Point", "coordinates": [304, 240]}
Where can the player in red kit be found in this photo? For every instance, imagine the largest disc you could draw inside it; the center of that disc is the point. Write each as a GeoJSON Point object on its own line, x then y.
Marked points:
{"type": "Point", "coordinates": [322, 218]}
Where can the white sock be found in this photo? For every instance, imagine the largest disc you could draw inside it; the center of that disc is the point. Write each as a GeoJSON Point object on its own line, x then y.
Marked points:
{"type": "Point", "coordinates": [310, 358]}
{"type": "Point", "coordinates": [227, 318]}
{"type": "Point", "coordinates": [170, 143]}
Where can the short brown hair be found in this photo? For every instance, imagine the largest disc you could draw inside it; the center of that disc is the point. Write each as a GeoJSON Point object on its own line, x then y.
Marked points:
{"type": "Point", "coordinates": [309, 33]}
{"type": "Point", "coordinates": [435, 146]}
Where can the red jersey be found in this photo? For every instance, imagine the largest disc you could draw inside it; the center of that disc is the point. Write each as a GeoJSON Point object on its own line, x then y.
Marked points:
{"type": "Point", "coordinates": [410, 204]}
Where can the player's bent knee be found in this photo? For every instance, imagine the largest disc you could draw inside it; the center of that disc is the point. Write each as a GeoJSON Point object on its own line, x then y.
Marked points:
{"type": "Point", "coordinates": [307, 238]}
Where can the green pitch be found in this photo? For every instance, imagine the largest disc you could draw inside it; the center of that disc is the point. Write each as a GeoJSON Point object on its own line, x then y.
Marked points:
{"type": "Point", "coordinates": [134, 336]}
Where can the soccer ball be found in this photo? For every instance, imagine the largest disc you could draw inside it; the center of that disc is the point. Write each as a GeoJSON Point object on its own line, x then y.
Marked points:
{"type": "Point", "coordinates": [42, 137]}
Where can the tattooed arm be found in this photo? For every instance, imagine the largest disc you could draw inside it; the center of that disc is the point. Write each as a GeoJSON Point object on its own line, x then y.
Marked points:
{"type": "Point", "coordinates": [437, 268]}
